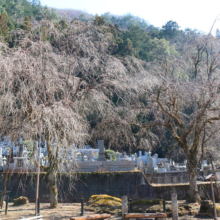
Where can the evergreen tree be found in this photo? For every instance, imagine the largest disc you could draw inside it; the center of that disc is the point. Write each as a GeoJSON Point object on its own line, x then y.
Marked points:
{"type": "Point", "coordinates": [169, 30]}
{"type": "Point", "coordinates": [113, 30]}
{"type": "Point", "coordinates": [2, 6]}
{"type": "Point", "coordinates": [128, 48]}
{"type": "Point", "coordinates": [99, 21]}
{"type": "Point", "coordinates": [27, 24]}
{"type": "Point", "coordinates": [5, 24]}
{"type": "Point", "coordinates": [62, 24]}
{"type": "Point", "coordinates": [82, 17]}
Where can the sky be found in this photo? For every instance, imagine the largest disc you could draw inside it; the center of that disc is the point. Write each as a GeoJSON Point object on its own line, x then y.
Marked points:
{"type": "Point", "coordinates": [194, 14]}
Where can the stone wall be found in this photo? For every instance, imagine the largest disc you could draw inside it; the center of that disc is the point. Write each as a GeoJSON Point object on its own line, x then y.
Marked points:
{"type": "Point", "coordinates": [168, 177]}
{"type": "Point", "coordinates": [118, 184]}
{"type": "Point", "coordinates": [92, 166]}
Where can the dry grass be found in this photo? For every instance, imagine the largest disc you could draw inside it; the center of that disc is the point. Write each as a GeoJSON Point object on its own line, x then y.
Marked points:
{"type": "Point", "coordinates": [63, 212]}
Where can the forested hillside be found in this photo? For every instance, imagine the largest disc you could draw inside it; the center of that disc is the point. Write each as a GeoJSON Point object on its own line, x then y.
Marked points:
{"type": "Point", "coordinates": [109, 69]}
{"type": "Point", "coordinates": [14, 12]}
{"type": "Point", "coordinates": [118, 80]}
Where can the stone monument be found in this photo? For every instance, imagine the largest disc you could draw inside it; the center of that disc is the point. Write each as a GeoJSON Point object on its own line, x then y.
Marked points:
{"type": "Point", "coordinates": [174, 206]}
{"type": "Point", "coordinates": [124, 200]}
{"type": "Point", "coordinates": [101, 150]}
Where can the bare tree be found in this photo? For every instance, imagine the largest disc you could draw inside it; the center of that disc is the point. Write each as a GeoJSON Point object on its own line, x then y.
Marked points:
{"type": "Point", "coordinates": [54, 78]}
{"type": "Point", "coordinates": [188, 106]}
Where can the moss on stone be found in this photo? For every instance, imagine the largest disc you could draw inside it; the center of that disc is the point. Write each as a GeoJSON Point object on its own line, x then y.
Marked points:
{"type": "Point", "coordinates": [105, 200]}
{"type": "Point", "coordinates": [104, 204]}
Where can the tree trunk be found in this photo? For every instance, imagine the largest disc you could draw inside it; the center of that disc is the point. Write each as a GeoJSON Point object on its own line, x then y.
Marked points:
{"type": "Point", "coordinates": [193, 188]}
{"type": "Point", "coordinates": [52, 173]}
{"type": "Point", "coordinates": [6, 176]}
{"type": "Point", "coordinates": [53, 189]}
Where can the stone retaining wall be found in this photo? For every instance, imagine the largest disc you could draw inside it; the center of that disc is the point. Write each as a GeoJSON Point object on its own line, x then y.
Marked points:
{"type": "Point", "coordinates": [168, 177]}
{"type": "Point", "coordinates": [118, 184]}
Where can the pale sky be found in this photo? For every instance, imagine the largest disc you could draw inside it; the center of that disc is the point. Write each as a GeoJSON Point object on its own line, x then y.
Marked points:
{"type": "Point", "coordinates": [194, 14]}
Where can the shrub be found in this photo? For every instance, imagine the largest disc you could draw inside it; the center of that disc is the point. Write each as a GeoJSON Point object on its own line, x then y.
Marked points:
{"type": "Point", "coordinates": [107, 155]}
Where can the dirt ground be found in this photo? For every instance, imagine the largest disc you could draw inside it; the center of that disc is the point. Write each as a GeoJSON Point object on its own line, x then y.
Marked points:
{"type": "Point", "coordinates": [63, 212]}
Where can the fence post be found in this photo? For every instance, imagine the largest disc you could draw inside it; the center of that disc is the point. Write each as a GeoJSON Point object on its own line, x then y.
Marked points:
{"type": "Point", "coordinates": [12, 195]}
{"type": "Point", "coordinates": [82, 207]}
{"type": "Point", "coordinates": [38, 205]}
{"type": "Point", "coordinates": [6, 206]}
{"type": "Point", "coordinates": [130, 206]}
{"type": "Point", "coordinates": [164, 206]}
{"type": "Point", "coordinates": [124, 200]}
{"type": "Point", "coordinates": [174, 206]}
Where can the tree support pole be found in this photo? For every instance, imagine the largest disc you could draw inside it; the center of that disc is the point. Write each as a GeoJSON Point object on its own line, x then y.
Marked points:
{"type": "Point", "coordinates": [38, 176]}
{"type": "Point", "coordinates": [6, 176]}
{"type": "Point", "coordinates": [213, 197]}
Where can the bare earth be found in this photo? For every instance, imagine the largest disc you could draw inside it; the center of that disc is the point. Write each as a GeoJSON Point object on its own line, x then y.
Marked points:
{"type": "Point", "coordinates": [63, 212]}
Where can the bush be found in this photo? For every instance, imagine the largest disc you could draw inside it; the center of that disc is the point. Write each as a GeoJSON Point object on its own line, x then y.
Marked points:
{"type": "Point", "coordinates": [107, 155]}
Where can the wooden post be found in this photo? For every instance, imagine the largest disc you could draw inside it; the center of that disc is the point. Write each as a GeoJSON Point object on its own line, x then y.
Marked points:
{"type": "Point", "coordinates": [38, 173]}
{"type": "Point", "coordinates": [38, 206]}
{"type": "Point", "coordinates": [6, 176]}
{"type": "Point", "coordinates": [6, 206]}
{"type": "Point", "coordinates": [174, 206]}
{"type": "Point", "coordinates": [130, 206]}
{"type": "Point", "coordinates": [164, 206]}
{"type": "Point", "coordinates": [124, 200]}
{"type": "Point", "coordinates": [213, 197]}
{"type": "Point", "coordinates": [82, 207]}
{"type": "Point", "coordinates": [216, 182]}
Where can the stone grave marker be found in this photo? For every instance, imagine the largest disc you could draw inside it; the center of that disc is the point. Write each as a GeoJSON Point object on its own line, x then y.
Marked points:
{"type": "Point", "coordinates": [101, 151]}
{"type": "Point", "coordinates": [174, 206]}
{"type": "Point", "coordinates": [124, 201]}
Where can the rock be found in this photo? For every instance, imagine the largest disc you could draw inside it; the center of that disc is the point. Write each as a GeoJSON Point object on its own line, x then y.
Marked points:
{"type": "Point", "coordinates": [105, 204]}
{"type": "Point", "coordinates": [21, 200]}
{"type": "Point", "coordinates": [104, 200]}
{"type": "Point", "coordinates": [207, 207]}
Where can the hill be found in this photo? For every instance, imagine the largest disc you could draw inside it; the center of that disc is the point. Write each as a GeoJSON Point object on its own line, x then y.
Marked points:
{"type": "Point", "coordinates": [106, 71]}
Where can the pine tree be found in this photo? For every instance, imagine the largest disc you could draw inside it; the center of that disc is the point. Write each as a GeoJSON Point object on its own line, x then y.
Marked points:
{"type": "Point", "coordinates": [27, 24]}
{"type": "Point", "coordinates": [5, 24]}
{"type": "Point", "coordinates": [99, 21]}
{"type": "Point", "coordinates": [62, 24]}
{"type": "Point", "coordinates": [2, 7]}
{"type": "Point", "coordinates": [113, 30]}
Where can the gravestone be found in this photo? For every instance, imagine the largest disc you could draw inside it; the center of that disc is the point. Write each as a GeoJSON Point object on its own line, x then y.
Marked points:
{"type": "Point", "coordinates": [139, 153]}
{"type": "Point", "coordinates": [101, 151]}
{"type": "Point", "coordinates": [135, 155]}
{"type": "Point", "coordinates": [124, 154]}
{"type": "Point", "coordinates": [151, 165]}
{"type": "Point", "coordinates": [174, 206]}
{"type": "Point", "coordinates": [124, 201]}
{"type": "Point", "coordinates": [90, 155]}
{"type": "Point", "coordinates": [20, 150]}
